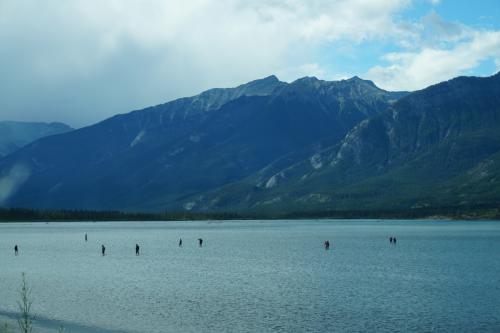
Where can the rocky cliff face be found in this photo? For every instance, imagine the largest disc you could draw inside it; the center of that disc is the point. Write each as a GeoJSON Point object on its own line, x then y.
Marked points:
{"type": "Point", "coordinates": [427, 118]}
{"type": "Point", "coordinates": [438, 146]}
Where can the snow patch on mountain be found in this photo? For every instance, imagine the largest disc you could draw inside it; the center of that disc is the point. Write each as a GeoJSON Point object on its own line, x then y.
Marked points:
{"type": "Point", "coordinates": [137, 139]}
{"type": "Point", "coordinates": [189, 205]}
{"type": "Point", "coordinates": [316, 162]}
{"type": "Point", "coordinates": [274, 180]}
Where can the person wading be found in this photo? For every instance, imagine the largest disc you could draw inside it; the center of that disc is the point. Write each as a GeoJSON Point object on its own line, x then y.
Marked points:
{"type": "Point", "coordinates": [16, 250]}
{"type": "Point", "coordinates": [103, 250]}
{"type": "Point", "coordinates": [136, 249]}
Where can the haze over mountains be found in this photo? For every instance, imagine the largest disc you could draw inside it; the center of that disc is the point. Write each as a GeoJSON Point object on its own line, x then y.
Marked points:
{"type": "Point", "coordinates": [273, 146]}
{"type": "Point", "coordinates": [15, 134]}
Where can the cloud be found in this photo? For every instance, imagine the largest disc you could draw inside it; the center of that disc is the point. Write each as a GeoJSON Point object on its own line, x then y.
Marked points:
{"type": "Point", "coordinates": [434, 31]}
{"type": "Point", "coordinates": [81, 61]}
{"type": "Point", "coordinates": [435, 50]}
{"type": "Point", "coordinates": [429, 65]}
{"type": "Point", "coordinates": [10, 183]}
{"type": "Point", "coordinates": [309, 69]}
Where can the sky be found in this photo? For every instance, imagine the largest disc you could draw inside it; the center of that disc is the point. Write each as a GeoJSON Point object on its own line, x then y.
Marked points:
{"type": "Point", "coordinates": [81, 61]}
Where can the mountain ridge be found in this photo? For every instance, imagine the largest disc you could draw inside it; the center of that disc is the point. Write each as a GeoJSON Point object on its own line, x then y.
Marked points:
{"type": "Point", "coordinates": [165, 152]}
{"type": "Point", "coordinates": [268, 145]}
{"type": "Point", "coordinates": [438, 134]}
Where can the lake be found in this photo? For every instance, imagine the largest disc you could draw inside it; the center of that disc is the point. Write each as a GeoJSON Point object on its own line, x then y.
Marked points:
{"type": "Point", "coordinates": [255, 276]}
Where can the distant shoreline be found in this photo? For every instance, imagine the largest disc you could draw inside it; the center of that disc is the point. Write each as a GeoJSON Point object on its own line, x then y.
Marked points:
{"type": "Point", "coordinates": [434, 213]}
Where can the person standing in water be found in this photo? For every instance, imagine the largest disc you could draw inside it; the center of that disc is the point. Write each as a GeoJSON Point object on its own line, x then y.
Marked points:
{"type": "Point", "coordinates": [16, 250]}
{"type": "Point", "coordinates": [200, 242]}
{"type": "Point", "coordinates": [85, 237]}
{"type": "Point", "coordinates": [136, 249]}
{"type": "Point", "coordinates": [180, 242]}
{"type": "Point", "coordinates": [103, 250]}
{"type": "Point", "coordinates": [390, 239]}
{"type": "Point", "coordinates": [327, 245]}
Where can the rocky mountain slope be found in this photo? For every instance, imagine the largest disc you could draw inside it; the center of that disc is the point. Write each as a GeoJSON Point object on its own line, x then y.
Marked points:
{"type": "Point", "coordinates": [436, 147]}
{"type": "Point", "coordinates": [155, 158]}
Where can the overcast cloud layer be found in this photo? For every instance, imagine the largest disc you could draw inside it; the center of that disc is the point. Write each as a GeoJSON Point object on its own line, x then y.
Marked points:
{"type": "Point", "coordinates": [83, 61]}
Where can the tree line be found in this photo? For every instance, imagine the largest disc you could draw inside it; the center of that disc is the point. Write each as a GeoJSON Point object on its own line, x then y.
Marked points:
{"type": "Point", "coordinates": [451, 212]}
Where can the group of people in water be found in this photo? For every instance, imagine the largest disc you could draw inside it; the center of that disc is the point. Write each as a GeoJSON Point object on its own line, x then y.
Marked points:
{"type": "Point", "coordinates": [326, 244]}
{"type": "Point", "coordinates": [103, 248]}
{"type": "Point", "coordinates": [137, 247]}
{"type": "Point", "coordinates": [200, 242]}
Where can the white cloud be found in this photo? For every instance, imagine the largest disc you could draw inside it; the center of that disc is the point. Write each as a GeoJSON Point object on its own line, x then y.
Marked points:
{"type": "Point", "coordinates": [435, 50]}
{"type": "Point", "coordinates": [417, 70]}
{"type": "Point", "coordinates": [310, 69]}
{"type": "Point", "coordinates": [81, 60]}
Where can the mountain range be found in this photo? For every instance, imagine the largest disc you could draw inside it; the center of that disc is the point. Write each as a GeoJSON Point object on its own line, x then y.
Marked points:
{"type": "Point", "coordinates": [273, 146]}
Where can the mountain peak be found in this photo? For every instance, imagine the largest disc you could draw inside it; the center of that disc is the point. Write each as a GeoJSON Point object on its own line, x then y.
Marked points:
{"type": "Point", "coordinates": [307, 79]}
{"type": "Point", "coordinates": [263, 86]}
{"type": "Point", "coordinates": [312, 80]}
{"type": "Point", "coordinates": [268, 81]}
{"type": "Point", "coordinates": [307, 82]}
{"type": "Point", "coordinates": [270, 78]}
{"type": "Point", "coordinates": [216, 97]}
{"type": "Point", "coordinates": [357, 79]}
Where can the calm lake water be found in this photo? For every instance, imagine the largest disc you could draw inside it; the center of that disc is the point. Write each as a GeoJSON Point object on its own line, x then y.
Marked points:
{"type": "Point", "coordinates": [256, 276]}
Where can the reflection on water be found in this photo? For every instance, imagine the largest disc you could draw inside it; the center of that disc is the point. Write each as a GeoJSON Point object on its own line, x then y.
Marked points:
{"type": "Point", "coordinates": [254, 276]}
